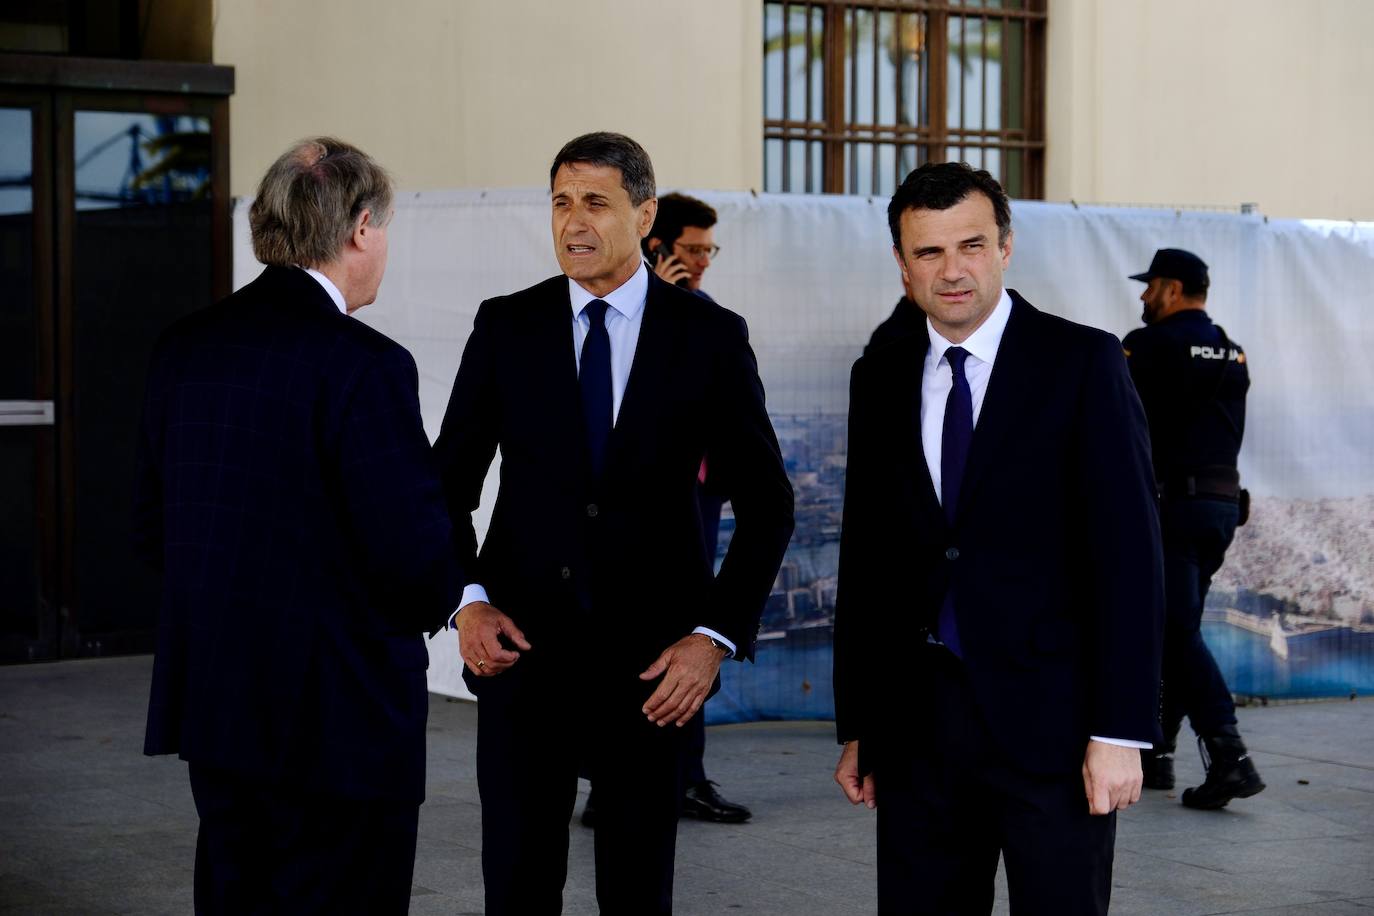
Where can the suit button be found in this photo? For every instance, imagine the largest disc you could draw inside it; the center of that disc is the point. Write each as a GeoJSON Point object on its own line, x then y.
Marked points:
{"type": "Point", "coordinates": [592, 510]}
{"type": "Point", "coordinates": [565, 573]}
{"type": "Point", "coordinates": [952, 553]}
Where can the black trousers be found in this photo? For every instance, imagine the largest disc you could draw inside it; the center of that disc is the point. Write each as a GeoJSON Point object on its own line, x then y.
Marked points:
{"type": "Point", "coordinates": [950, 803]}
{"type": "Point", "coordinates": [531, 745]}
{"type": "Point", "coordinates": [1196, 533]}
{"type": "Point", "coordinates": [272, 850]}
{"type": "Point", "coordinates": [693, 752]}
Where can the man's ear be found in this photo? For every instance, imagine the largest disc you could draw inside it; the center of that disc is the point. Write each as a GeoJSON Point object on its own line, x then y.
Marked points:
{"type": "Point", "coordinates": [648, 211]}
{"type": "Point", "coordinates": [901, 265]}
{"type": "Point", "coordinates": [364, 230]}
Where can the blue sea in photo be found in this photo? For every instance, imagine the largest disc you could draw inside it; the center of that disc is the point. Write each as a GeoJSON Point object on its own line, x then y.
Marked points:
{"type": "Point", "coordinates": [792, 680]}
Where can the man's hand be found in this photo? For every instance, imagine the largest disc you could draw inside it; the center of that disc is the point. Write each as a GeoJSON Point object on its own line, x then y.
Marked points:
{"type": "Point", "coordinates": [669, 268]}
{"type": "Point", "coordinates": [689, 669]}
{"type": "Point", "coordinates": [857, 790]}
{"type": "Point", "coordinates": [1111, 777]}
{"type": "Point", "coordinates": [480, 627]}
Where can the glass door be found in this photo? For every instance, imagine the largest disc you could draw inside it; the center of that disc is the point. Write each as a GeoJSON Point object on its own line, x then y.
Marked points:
{"type": "Point", "coordinates": [29, 611]}
{"type": "Point", "coordinates": [114, 222]}
{"type": "Point", "coordinates": [139, 235]}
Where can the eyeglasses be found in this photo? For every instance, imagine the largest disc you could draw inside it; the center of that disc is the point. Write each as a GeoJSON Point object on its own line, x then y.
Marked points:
{"type": "Point", "coordinates": [708, 252]}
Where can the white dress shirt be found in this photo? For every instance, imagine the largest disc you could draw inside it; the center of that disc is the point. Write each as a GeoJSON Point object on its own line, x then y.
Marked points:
{"type": "Point", "coordinates": [623, 320]}
{"type": "Point", "coordinates": [937, 380]}
{"type": "Point", "coordinates": [329, 287]}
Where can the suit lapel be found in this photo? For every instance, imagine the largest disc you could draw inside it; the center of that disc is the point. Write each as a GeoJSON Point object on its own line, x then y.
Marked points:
{"type": "Point", "coordinates": [651, 370]}
{"type": "Point", "coordinates": [1009, 389]}
{"type": "Point", "coordinates": [912, 370]}
{"type": "Point", "coordinates": [551, 353]}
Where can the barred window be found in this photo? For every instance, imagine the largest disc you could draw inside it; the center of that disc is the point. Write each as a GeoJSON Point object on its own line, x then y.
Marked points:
{"type": "Point", "coordinates": [856, 95]}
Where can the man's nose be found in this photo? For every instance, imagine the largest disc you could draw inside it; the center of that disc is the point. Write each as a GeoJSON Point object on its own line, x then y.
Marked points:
{"type": "Point", "coordinates": [576, 219]}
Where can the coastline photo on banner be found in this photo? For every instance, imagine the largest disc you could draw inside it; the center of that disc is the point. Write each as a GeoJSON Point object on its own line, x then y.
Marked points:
{"type": "Point", "coordinates": [1290, 614]}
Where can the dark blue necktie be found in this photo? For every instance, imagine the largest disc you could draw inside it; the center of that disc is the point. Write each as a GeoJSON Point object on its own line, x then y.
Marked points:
{"type": "Point", "coordinates": [954, 445]}
{"type": "Point", "coordinates": [594, 378]}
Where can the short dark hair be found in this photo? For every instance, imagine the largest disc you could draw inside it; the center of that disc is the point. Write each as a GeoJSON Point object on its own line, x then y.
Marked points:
{"type": "Point", "coordinates": [613, 150]}
{"type": "Point", "coordinates": [677, 212]}
{"type": "Point", "coordinates": [941, 185]}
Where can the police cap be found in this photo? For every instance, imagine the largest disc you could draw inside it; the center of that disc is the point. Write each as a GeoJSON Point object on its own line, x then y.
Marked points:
{"type": "Point", "coordinates": [1177, 264]}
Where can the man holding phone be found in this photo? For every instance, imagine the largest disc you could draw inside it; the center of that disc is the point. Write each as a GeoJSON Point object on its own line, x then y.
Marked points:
{"type": "Point", "coordinates": [682, 243]}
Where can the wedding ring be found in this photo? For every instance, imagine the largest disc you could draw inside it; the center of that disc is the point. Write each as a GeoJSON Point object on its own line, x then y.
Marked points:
{"type": "Point", "coordinates": [481, 663]}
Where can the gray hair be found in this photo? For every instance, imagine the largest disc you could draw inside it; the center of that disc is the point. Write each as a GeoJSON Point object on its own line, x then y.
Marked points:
{"type": "Point", "coordinates": [311, 197]}
{"type": "Point", "coordinates": [614, 150]}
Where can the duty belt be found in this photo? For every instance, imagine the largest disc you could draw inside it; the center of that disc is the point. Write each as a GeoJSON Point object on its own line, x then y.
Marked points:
{"type": "Point", "coordinates": [1214, 482]}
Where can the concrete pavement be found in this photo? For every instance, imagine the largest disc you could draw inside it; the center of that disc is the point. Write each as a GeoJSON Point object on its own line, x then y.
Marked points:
{"type": "Point", "coordinates": [89, 826]}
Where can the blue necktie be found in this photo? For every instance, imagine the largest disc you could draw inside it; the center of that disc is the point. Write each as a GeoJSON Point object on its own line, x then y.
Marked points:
{"type": "Point", "coordinates": [594, 378]}
{"type": "Point", "coordinates": [954, 445]}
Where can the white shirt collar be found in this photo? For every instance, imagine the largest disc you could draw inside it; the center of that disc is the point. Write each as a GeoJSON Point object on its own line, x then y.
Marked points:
{"type": "Point", "coordinates": [329, 287]}
{"type": "Point", "coordinates": [627, 298]}
{"type": "Point", "coordinates": [982, 343]}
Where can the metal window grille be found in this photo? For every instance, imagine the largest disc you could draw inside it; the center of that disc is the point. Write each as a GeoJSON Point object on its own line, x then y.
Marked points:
{"type": "Point", "coordinates": [856, 95]}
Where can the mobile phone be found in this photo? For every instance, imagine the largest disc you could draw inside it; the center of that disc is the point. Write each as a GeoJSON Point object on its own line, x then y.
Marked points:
{"type": "Point", "coordinates": [662, 253]}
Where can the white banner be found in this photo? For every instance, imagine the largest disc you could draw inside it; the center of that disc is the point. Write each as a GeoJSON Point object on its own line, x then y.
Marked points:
{"type": "Point", "coordinates": [814, 274]}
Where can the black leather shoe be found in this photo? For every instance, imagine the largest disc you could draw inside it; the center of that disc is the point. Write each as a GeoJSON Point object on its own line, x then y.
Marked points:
{"type": "Point", "coordinates": [702, 802]}
{"type": "Point", "coordinates": [1158, 769]}
{"type": "Point", "coordinates": [1230, 772]}
{"type": "Point", "coordinates": [589, 810]}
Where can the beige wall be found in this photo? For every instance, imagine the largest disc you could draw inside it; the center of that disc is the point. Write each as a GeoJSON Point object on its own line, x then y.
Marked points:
{"type": "Point", "coordinates": [1194, 102]}
{"type": "Point", "coordinates": [476, 93]}
{"type": "Point", "coordinates": [1212, 102]}
{"type": "Point", "coordinates": [177, 29]}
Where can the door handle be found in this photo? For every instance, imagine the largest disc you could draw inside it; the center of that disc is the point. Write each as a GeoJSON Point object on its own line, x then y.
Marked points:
{"type": "Point", "coordinates": [26, 413]}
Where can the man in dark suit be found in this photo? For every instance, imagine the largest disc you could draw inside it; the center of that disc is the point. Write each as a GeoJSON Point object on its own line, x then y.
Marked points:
{"type": "Point", "coordinates": [592, 621]}
{"type": "Point", "coordinates": [287, 490]}
{"type": "Point", "coordinates": [998, 621]}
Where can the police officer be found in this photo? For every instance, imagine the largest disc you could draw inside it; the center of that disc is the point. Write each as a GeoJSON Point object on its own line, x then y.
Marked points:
{"type": "Point", "coordinates": [1192, 380]}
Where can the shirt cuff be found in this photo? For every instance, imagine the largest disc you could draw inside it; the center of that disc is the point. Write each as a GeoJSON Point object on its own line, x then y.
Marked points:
{"type": "Point", "coordinates": [473, 592]}
{"type": "Point", "coordinates": [707, 631]}
{"type": "Point", "coordinates": [1124, 742]}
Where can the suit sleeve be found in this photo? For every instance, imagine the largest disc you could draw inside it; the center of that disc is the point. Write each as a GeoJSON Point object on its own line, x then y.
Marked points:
{"type": "Point", "coordinates": [744, 455]}
{"type": "Point", "coordinates": [852, 602]}
{"type": "Point", "coordinates": [469, 436]}
{"type": "Point", "coordinates": [394, 502]}
{"type": "Point", "coordinates": [1124, 567]}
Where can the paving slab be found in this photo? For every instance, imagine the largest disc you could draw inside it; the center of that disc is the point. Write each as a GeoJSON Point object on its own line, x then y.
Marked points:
{"type": "Point", "coordinates": [90, 826]}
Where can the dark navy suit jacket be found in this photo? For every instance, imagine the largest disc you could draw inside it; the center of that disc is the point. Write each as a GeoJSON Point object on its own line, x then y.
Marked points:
{"type": "Point", "coordinates": [624, 557]}
{"type": "Point", "coordinates": [906, 319]}
{"type": "Point", "coordinates": [286, 489]}
{"type": "Point", "coordinates": [1054, 556]}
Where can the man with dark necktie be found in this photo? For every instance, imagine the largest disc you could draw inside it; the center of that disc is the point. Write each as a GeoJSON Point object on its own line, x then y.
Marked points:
{"type": "Point", "coordinates": [593, 628]}
{"type": "Point", "coordinates": [999, 611]}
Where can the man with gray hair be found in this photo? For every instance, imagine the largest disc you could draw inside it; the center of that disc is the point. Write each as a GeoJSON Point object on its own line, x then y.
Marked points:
{"type": "Point", "coordinates": [286, 489]}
